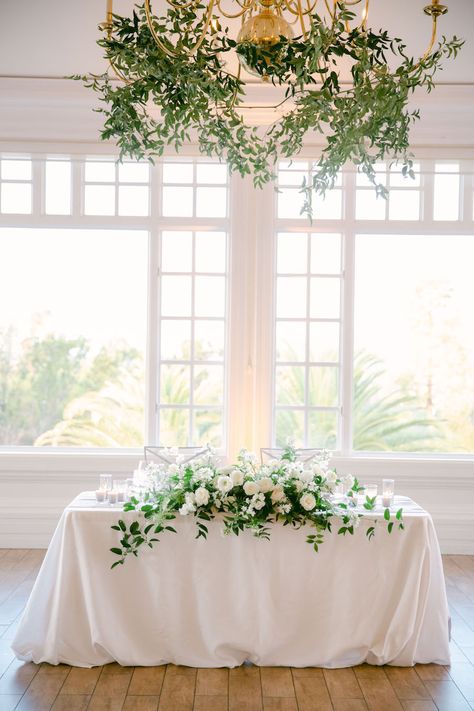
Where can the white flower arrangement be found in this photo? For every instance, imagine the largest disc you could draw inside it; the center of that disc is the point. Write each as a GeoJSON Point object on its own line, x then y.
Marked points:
{"type": "Point", "coordinates": [245, 496]}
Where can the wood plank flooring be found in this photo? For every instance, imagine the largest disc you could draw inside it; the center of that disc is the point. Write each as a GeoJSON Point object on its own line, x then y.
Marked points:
{"type": "Point", "coordinates": [31, 687]}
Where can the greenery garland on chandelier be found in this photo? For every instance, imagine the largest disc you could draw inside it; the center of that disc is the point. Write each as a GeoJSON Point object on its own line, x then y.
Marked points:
{"type": "Point", "coordinates": [169, 95]}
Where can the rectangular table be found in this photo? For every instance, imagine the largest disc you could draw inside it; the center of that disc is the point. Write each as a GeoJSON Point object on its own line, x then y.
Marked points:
{"type": "Point", "coordinates": [231, 599]}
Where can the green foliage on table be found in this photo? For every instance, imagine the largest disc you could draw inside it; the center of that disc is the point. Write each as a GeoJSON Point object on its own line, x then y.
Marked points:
{"type": "Point", "coordinates": [168, 101]}
{"type": "Point", "coordinates": [244, 497]}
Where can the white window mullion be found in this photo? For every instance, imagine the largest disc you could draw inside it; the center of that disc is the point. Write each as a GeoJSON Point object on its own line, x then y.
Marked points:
{"type": "Point", "coordinates": [152, 385]}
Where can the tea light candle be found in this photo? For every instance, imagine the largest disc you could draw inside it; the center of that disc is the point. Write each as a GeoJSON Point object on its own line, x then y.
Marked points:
{"type": "Point", "coordinates": [113, 496]}
{"type": "Point", "coordinates": [388, 490]}
{"type": "Point", "coordinates": [371, 490]}
{"type": "Point", "coordinates": [100, 495]}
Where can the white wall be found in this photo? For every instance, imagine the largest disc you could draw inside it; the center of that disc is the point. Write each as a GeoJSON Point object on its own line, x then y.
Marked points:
{"type": "Point", "coordinates": [35, 486]}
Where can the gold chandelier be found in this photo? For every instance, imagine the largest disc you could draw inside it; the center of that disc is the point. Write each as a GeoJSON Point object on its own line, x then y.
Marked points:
{"type": "Point", "coordinates": [263, 22]}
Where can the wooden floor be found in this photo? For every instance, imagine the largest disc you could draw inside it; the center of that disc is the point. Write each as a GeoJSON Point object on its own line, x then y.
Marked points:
{"type": "Point", "coordinates": [28, 687]}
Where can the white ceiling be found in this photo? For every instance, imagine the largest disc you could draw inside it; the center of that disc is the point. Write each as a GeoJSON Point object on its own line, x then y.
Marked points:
{"type": "Point", "coordinates": [54, 38]}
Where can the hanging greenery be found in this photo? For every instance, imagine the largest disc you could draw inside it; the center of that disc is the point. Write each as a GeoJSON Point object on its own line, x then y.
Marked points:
{"type": "Point", "coordinates": [168, 100]}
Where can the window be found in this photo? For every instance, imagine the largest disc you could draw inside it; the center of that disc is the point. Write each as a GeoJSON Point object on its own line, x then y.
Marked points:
{"type": "Point", "coordinates": [373, 345]}
{"type": "Point", "coordinates": [171, 304]}
{"type": "Point", "coordinates": [78, 237]}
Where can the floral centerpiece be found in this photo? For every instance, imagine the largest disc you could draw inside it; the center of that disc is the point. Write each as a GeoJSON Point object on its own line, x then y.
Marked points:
{"type": "Point", "coordinates": [244, 496]}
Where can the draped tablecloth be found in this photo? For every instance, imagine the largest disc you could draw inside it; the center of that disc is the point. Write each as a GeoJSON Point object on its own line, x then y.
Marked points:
{"type": "Point", "coordinates": [232, 599]}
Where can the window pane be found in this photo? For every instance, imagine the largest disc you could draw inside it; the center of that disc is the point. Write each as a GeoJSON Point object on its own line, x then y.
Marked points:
{"type": "Point", "coordinates": [325, 297]}
{"type": "Point", "coordinates": [211, 202]}
{"type": "Point", "coordinates": [290, 203]}
{"type": "Point", "coordinates": [210, 252]}
{"type": "Point", "coordinates": [208, 384]}
{"type": "Point", "coordinates": [176, 251]}
{"type": "Point", "coordinates": [134, 172]}
{"type": "Point", "coordinates": [446, 192]}
{"type": "Point", "coordinates": [369, 206]}
{"type": "Point", "coordinates": [292, 253]}
{"type": "Point", "coordinates": [209, 340]}
{"type": "Point", "coordinates": [289, 425]}
{"type": "Point", "coordinates": [175, 343]}
{"type": "Point", "coordinates": [177, 202]}
{"type": "Point", "coordinates": [322, 429]}
{"type": "Point", "coordinates": [133, 200]}
{"type": "Point", "coordinates": [16, 198]}
{"type": "Point", "coordinates": [211, 173]}
{"type": "Point", "coordinates": [58, 187]}
{"type": "Point", "coordinates": [99, 172]}
{"type": "Point", "coordinates": [290, 385]}
{"type": "Point", "coordinates": [290, 341]}
{"type": "Point", "coordinates": [291, 297]}
{"type": "Point", "coordinates": [328, 207]}
{"type": "Point", "coordinates": [174, 427]}
{"type": "Point", "coordinates": [174, 384]}
{"type": "Point", "coordinates": [398, 180]}
{"type": "Point", "coordinates": [209, 296]}
{"type": "Point", "coordinates": [208, 427]}
{"type": "Point", "coordinates": [177, 172]}
{"type": "Point", "coordinates": [404, 205]}
{"type": "Point", "coordinates": [326, 254]}
{"type": "Point", "coordinates": [19, 169]}
{"type": "Point", "coordinates": [73, 342]}
{"type": "Point", "coordinates": [323, 386]}
{"type": "Point", "coordinates": [176, 296]}
{"type": "Point", "coordinates": [414, 343]}
{"type": "Point", "coordinates": [324, 342]}
{"type": "Point", "coordinates": [99, 200]}
{"type": "Point", "coordinates": [292, 177]}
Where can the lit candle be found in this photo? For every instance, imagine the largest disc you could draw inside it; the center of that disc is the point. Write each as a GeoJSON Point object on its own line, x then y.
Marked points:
{"type": "Point", "coordinates": [388, 489]}
{"type": "Point", "coordinates": [113, 496]}
{"type": "Point", "coordinates": [100, 495]}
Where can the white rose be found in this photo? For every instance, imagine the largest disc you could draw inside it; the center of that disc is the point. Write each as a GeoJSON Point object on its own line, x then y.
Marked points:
{"type": "Point", "coordinates": [186, 509]}
{"type": "Point", "coordinates": [317, 471]}
{"type": "Point", "coordinates": [348, 481]}
{"type": "Point", "coordinates": [251, 488]}
{"type": "Point", "coordinates": [306, 476]}
{"type": "Point", "coordinates": [299, 486]}
{"type": "Point", "coordinates": [190, 498]}
{"type": "Point", "coordinates": [331, 478]}
{"type": "Point", "coordinates": [201, 496]}
{"type": "Point", "coordinates": [224, 483]}
{"type": "Point", "coordinates": [308, 502]}
{"type": "Point", "coordinates": [265, 484]}
{"type": "Point", "coordinates": [278, 494]}
{"type": "Point", "coordinates": [173, 469]}
{"type": "Point", "coordinates": [237, 477]}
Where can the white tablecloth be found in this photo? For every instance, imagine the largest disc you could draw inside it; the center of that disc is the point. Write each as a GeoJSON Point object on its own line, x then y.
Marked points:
{"type": "Point", "coordinates": [229, 599]}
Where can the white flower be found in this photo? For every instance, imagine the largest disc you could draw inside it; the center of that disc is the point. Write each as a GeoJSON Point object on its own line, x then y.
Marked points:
{"type": "Point", "coordinates": [348, 481]}
{"type": "Point", "coordinates": [173, 469]}
{"type": "Point", "coordinates": [190, 498]}
{"type": "Point", "coordinates": [201, 496]}
{"type": "Point", "coordinates": [331, 478]}
{"type": "Point", "coordinates": [237, 477]}
{"type": "Point", "coordinates": [299, 486]}
{"type": "Point", "coordinates": [278, 493]}
{"type": "Point", "coordinates": [204, 474]}
{"type": "Point", "coordinates": [258, 501]}
{"type": "Point", "coordinates": [265, 484]}
{"type": "Point", "coordinates": [308, 502]}
{"type": "Point", "coordinates": [306, 476]}
{"type": "Point", "coordinates": [317, 471]}
{"type": "Point", "coordinates": [224, 483]}
{"type": "Point", "coordinates": [186, 509]}
{"type": "Point", "coordinates": [251, 488]}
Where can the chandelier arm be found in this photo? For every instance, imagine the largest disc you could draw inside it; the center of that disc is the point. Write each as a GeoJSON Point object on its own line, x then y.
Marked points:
{"type": "Point", "coordinates": [434, 30]}
{"type": "Point", "coordinates": [288, 6]}
{"type": "Point", "coordinates": [365, 16]}
{"type": "Point", "coordinates": [245, 7]}
{"type": "Point", "coordinates": [173, 53]}
{"type": "Point", "coordinates": [107, 26]}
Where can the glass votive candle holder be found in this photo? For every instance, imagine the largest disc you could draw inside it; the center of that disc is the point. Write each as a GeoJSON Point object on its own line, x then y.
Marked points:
{"type": "Point", "coordinates": [371, 491]}
{"type": "Point", "coordinates": [129, 490]}
{"type": "Point", "coordinates": [113, 496]}
{"type": "Point", "coordinates": [105, 482]}
{"type": "Point", "coordinates": [100, 496]}
{"type": "Point", "coordinates": [119, 487]}
{"type": "Point", "coordinates": [388, 491]}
